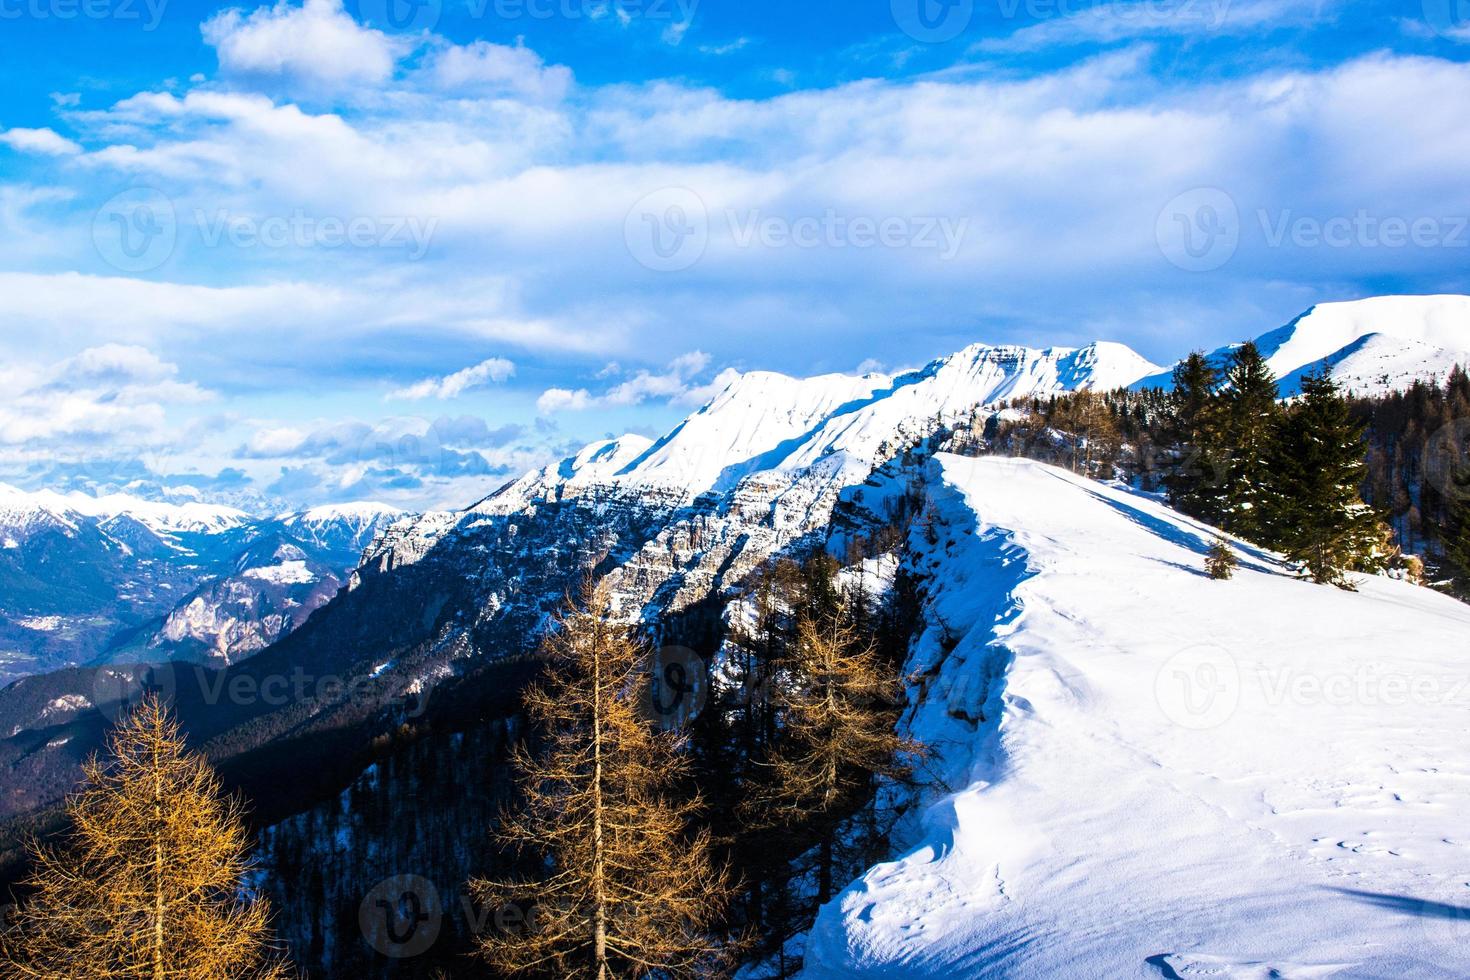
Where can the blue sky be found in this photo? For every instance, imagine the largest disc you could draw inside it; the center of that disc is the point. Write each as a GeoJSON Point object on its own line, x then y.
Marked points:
{"type": "Point", "coordinates": [406, 249]}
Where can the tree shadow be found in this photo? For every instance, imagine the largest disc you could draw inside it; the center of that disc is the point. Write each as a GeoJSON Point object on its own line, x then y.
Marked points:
{"type": "Point", "coordinates": [1409, 905]}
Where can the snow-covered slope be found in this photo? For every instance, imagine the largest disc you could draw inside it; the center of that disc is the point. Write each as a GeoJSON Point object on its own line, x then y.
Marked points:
{"type": "Point", "coordinates": [1147, 773]}
{"type": "Point", "coordinates": [1373, 345]}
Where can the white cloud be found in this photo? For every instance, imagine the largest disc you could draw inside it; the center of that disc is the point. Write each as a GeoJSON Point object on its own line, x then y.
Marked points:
{"type": "Point", "coordinates": [674, 385]}
{"type": "Point", "coordinates": [554, 400]}
{"type": "Point", "coordinates": [495, 370]}
{"type": "Point", "coordinates": [317, 44]}
{"type": "Point", "coordinates": [46, 142]}
{"type": "Point", "coordinates": [115, 392]}
{"type": "Point", "coordinates": [483, 69]}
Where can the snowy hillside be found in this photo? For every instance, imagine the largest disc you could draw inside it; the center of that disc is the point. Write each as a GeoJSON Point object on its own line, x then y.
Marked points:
{"type": "Point", "coordinates": [1140, 772]}
{"type": "Point", "coordinates": [1373, 345]}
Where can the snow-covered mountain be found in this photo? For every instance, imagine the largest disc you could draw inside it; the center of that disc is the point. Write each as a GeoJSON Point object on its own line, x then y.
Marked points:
{"type": "Point", "coordinates": [1372, 345]}
{"type": "Point", "coordinates": [20, 509]}
{"type": "Point", "coordinates": [1138, 771]}
{"type": "Point", "coordinates": [117, 576]}
{"type": "Point", "coordinates": [443, 607]}
{"type": "Point", "coordinates": [773, 428]}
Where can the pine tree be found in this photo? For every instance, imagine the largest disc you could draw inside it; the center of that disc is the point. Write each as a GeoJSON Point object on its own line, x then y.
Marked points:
{"type": "Point", "coordinates": [627, 890]}
{"type": "Point", "coordinates": [1250, 412]}
{"type": "Point", "coordinates": [1313, 509]}
{"type": "Point", "coordinates": [838, 707]}
{"type": "Point", "coordinates": [1221, 562]}
{"type": "Point", "coordinates": [150, 885]}
{"type": "Point", "coordinates": [1196, 486]}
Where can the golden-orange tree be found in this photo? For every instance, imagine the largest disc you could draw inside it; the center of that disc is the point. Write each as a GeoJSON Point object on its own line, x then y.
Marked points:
{"type": "Point", "coordinates": [624, 888]}
{"type": "Point", "coordinates": [149, 884]}
{"type": "Point", "coordinates": [838, 706]}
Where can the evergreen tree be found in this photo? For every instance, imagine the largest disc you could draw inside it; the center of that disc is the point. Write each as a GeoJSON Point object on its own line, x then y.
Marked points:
{"type": "Point", "coordinates": [1249, 414]}
{"type": "Point", "coordinates": [150, 886]}
{"type": "Point", "coordinates": [1221, 562]}
{"type": "Point", "coordinates": [1196, 485]}
{"type": "Point", "coordinates": [625, 890]}
{"type": "Point", "coordinates": [1314, 512]}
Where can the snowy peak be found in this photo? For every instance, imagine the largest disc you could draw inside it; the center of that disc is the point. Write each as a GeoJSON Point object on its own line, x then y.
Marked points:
{"type": "Point", "coordinates": [22, 508]}
{"type": "Point", "coordinates": [1372, 345]}
{"type": "Point", "coordinates": [781, 426]}
{"type": "Point", "coordinates": [1441, 322]}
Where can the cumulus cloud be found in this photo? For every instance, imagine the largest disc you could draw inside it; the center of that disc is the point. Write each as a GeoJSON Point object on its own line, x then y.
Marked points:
{"type": "Point", "coordinates": [317, 44]}
{"type": "Point", "coordinates": [493, 371]}
{"type": "Point", "coordinates": [46, 142]}
{"type": "Point", "coordinates": [114, 391]}
{"type": "Point", "coordinates": [485, 69]}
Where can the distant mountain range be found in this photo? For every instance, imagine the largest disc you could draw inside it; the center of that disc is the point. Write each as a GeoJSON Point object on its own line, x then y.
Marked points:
{"type": "Point", "coordinates": [86, 579]}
